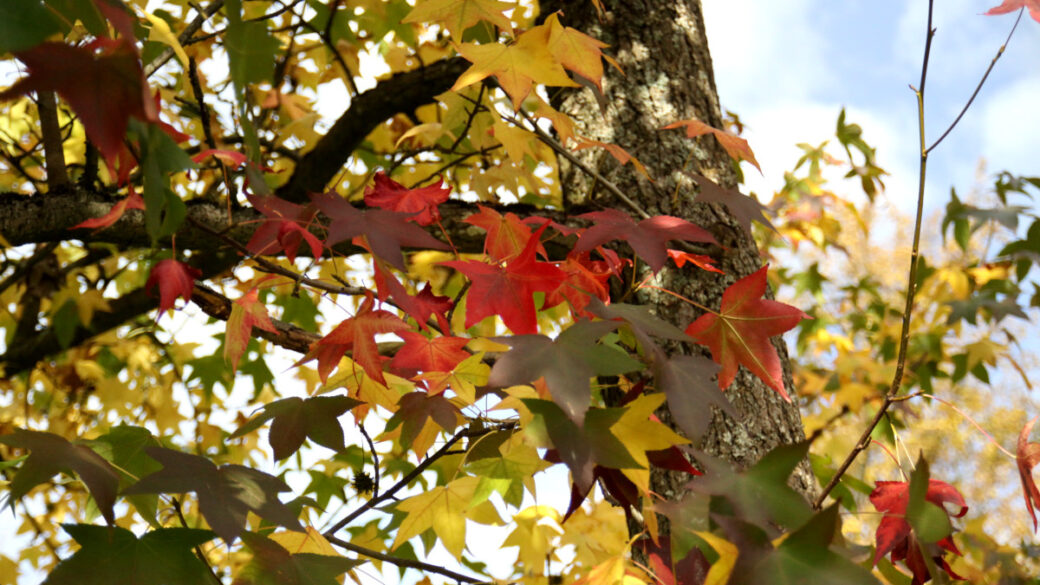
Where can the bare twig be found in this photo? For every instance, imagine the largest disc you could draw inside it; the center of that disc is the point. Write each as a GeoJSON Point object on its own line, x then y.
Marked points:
{"type": "Point", "coordinates": [911, 287]}
{"type": "Point", "coordinates": [978, 87]}
{"type": "Point", "coordinates": [406, 563]}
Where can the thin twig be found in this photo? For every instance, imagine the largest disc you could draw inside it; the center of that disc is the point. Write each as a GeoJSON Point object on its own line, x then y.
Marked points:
{"type": "Point", "coordinates": [406, 563]}
{"type": "Point", "coordinates": [407, 479]}
{"type": "Point", "coordinates": [182, 38]}
{"type": "Point", "coordinates": [375, 459]}
{"type": "Point", "coordinates": [911, 287]}
{"type": "Point", "coordinates": [982, 81]}
{"type": "Point", "coordinates": [560, 150]}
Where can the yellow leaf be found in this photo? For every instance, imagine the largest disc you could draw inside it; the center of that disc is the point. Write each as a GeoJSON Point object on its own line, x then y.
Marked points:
{"type": "Point", "coordinates": [536, 527]}
{"type": "Point", "coordinates": [464, 379]}
{"type": "Point", "coordinates": [983, 351]}
{"type": "Point", "coordinates": [516, 141]}
{"type": "Point", "coordinates": [161, 33]}
{"type": "Point", "coordinates": [444, 509]}
{"type": "Point", "coordinates": [8, 571]}
{"type": "Point", "coordinates": [720, 571]}
{"type": "Point", "coordinates": [310, 541]}
{"type": "Point", "coordinates": [458, 15]}
{"type": "Point", "coordinates": [517, 66]}
{"type": "Point", "coordinates": [576, 50]}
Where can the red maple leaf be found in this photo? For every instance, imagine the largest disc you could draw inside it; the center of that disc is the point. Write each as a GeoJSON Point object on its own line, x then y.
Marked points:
{"type": "Point", "coordinates": [421, 204]}
{"type": "Point", "coordinates": [1012, 5]}
{"type": "Point", "coordinates": [386, 231]}
{"type": "Point", "coordinates": [284, 229]}
{"type": "Point", "coordinates": [232, 159]}
{"type": "Point", "coordinates": [508, 291]}
{"type": "Point", "coordinates": [246, 312]}
{"type": "Point", "coordinates": [584, 278]}
{"type": "Point", "coordinates": [648, 238]}
{"type": "Point", "coordinates": [357, 335]}
{"type": "Point", "coordinates": [894, 531]}
{"type": "Point", "coordinates": [506, 234]}
{"type": "Point", "coordinates": [419, 307]}
{"type": "Point", "coordinates": [739, 333]}
{"type": "Point", "coordinates": [102, 81]}
{"type": "Point", "coordinates": [1027, 456]}
{"type": "Point", "coordinates": [425, 354]}
{"type": "Point", "coordinates": [131, 201]}
{"type": "Point", "coordinates": [174, 279]}
{"type": "Point", "coordinates": [699, 260]}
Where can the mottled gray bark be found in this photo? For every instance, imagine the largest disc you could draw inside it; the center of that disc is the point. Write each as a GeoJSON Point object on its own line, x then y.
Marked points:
{"type": "Point", "coordinates": [662, 49]}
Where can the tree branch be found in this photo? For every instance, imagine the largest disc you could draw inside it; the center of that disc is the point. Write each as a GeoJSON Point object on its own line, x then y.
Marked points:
{"type": "Point", "coordinates": [401, 93]}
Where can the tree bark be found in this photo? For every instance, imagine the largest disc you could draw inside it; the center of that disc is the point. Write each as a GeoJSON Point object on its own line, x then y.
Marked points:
{"type": "Point", "coordinates": [666, 77]}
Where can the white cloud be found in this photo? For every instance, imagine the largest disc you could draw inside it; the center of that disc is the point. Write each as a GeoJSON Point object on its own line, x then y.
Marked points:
{"type": "Point", "coordinates": [1011, 120]}
{"type": "Point", "coordinates": [748, 38]}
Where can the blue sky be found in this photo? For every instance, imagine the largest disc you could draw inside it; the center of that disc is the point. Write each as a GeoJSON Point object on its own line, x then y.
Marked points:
{"type": "Point", "coordinates": [787, 68]}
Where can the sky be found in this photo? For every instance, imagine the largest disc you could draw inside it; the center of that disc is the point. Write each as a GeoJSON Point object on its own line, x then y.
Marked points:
{"type": "Point", "coordinates": [787, 68]}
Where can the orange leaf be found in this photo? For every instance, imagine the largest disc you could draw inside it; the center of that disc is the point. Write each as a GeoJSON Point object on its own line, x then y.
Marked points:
{"type": "Point", "coordinates": [1027, 456]}
{"type": "Point", "coordinates": [738, 335]}
{"type": "Point", "coordinates": [246, 312]}
{"type": "Point", "coordinates": [576, 50]}
{"type": "Point", "coordinates": [356, 334]}
{"type": "Point", "coordinates": [131, 201]}
{"type": "Point", "coordinates": [734, 146]}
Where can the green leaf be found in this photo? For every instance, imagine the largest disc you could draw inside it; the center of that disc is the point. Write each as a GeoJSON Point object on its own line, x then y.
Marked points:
{"type": "Point", "coordinates": [296, 419]}
{"type": "Point", "coordinates": [760, 494]}
{"type": "Point", "coordinates": [160, 158]}
{"type": "Point", "coordinates": [930, 522]}
{"type": "Point", "coordinates": [25, 24]}
{"type": "Point", "coordinates": [51, 454]}
{"type": "Point", "coordinates": [226, 494]}
{"type": "Point", "coordinates": [84, 11]}
{"type": "Point", "coordinates": [806, 557]}
{"type": "Point", "coordinates": [125, 447]}
{"type": "Point", "coordinates": [66, 321]}
{"type": "Point", "coordinates": [110, 555]}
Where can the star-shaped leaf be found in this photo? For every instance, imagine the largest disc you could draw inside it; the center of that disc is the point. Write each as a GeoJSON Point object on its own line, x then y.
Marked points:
{"type": "Point", "coordinates": [131, 201]}
{"type": "Point", "coordinates": [297, 418]}
{"type": "Point", "coordinates": [649, 238]}
{"type": "Point", "coordinates": [517, 66]}
{"type": "Point", "coordinates": [226, 494]}
{"type": "Point", "coordinates": [109, 554]}
{"type": "Point", "coordinates": [356, 335]}
{"type": "Point", "coordinates": [686, 380]}
{"type": "Point", "coordinates": [420, 204]}
{"type": "Point", "coordinates": [50, 454]}
{"type": "Point", "coordinates": [386, 231]}
{"type": "Point", "coordinates": [459, 15]}
{"type": "Point", "coordinates": [567, 363]}
{"type": "Point", "coordinates": [742, 206]}
{"type": "Point", "coordinates": [285, 228]}
{"type": "Point", "coordinates": [443, 509]}
{"type": "Point", "coordinates": [508, 291]}
{"type": "Point", "coordinates": [506, 236]}
{"type": "Point", "coordinates": [738, 335]}
{"type": "Point", "coordinates": [415, 408]}
{"type": "Point", "coordinates": [426, 354]}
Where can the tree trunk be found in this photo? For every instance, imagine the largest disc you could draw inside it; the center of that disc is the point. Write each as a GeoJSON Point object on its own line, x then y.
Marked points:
{"type": "Point", "coordinates": [667, 76]}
